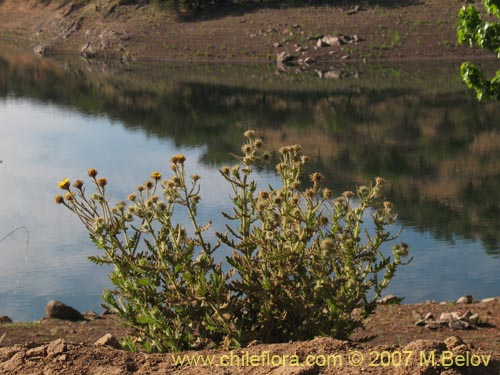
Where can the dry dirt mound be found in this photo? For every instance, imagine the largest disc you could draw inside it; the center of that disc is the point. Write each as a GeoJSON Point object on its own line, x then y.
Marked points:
{"type": "Point", "coordinates": [319, 356]}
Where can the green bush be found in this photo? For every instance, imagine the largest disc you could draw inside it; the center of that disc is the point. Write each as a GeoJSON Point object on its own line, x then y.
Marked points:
{"type": "Point", "coordinates": [303, 263]}
{"type": "Point", "coordinates": [473, 30]}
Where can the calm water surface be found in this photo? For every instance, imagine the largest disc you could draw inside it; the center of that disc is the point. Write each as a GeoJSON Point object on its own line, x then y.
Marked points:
{"type": "Point", "coordinates": [418, 127]}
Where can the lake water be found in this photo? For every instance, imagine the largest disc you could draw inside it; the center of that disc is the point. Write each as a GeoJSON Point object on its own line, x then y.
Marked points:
{"type": "Point", "coordinates": [417, 126]}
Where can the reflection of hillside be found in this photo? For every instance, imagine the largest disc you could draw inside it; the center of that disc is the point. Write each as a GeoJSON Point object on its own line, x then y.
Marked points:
{"type": "Point", "coordinates": [418, 128]}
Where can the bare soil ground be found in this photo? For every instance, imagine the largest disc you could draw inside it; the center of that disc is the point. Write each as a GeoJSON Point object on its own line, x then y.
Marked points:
{"type": "Point", "coordinates": [386, 29]}
{"type": "Point", "coordinates": [36, 348]}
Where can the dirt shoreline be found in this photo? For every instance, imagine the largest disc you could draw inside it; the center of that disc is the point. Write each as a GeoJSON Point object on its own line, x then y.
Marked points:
{"type": "Point", "coordinates": [63, 347]}
{"type": "Point", "coordinates": [387, 31]}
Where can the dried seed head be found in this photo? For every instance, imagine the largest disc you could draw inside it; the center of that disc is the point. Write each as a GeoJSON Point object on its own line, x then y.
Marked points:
{"type": "Point", "coordinates": [246, 149]}
{"type": "Point", "coordinates": [327, 244]}
{"type": "Point", "coordinates": [284, 150]}
{"type": "Point", "coordinates": [304, 159]}
{"type": "Point", "coordinates": [266, 156]}
{"type": "Point", "coordinates": [249, 133]}
{"type": "Point", "coordinates": [149, 185]}
{"type": "Point", "coordinates": [102, 182]}
{"type": "Point", "coordinates": [316, 177]}
{"type": "Point", "coordinates": [224, 170]}
{"type": "Point", "coordinates": [258, 143]}
{"type": "Point", "coordinates": [64, 184]}
{"type": "Point", "coordinates": [347, 194]}
{"type": "Point", "coordinates": [92, 172]}
{"type": "Point", "coordinates": [156, 176]}
{"type": "Point", "coordinates": [78, 184]}
{"type": "Point", "coordinates": [155, 198]}
{"type": "Point", "coordinates": [263, 195]}
{"type": "Point", "coordinates": [140, 188]}
{"type": "Point", "coordinates": [297, 148]}
{"type": "Point", "coordinates": [132, 197]}
{"type": "Point", "coordinates": [309, 193]}
{"type": "Point", "coordinates": [327, 194]}
{"type": "Point", "coordinates": [379, 181]}
{"type": "Point", "coordinates": [295, 184]}
{"type": "Point", "coordinates": [69, 196]}
{"type": "Point", "coordinates": [58, 199]}
{"type": "Point", "coordinates": [195, 177]}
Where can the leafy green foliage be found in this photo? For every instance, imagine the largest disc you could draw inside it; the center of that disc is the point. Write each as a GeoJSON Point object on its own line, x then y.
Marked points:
{"type": "Point", "coordinates": [473, 30]}
{"type": "Point", "coordinates": [303, 263]}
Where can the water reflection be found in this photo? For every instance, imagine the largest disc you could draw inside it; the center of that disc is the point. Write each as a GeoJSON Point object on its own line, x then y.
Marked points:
{"type": "Point", "coordinates": [416, 126]}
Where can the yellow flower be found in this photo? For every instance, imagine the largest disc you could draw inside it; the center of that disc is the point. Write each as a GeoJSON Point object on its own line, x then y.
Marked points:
{"type": "Point", "coordinates": [156, 176]}
{"type": "Point", "coordinates": [179, 158]}
{"type": "Point", "coordinates": [64, 184]}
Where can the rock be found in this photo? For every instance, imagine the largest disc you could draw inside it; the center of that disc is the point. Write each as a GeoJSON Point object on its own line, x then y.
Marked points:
{"type": "Point", "coordinates": [432, 325]}
{"type": "Point", "coordinates": [40, 49]}
{"type": "Point", "coordinates": [459, 324]}
{"type": "Point", "coordinates": [330, 40]}
{"type": "Point", "coordinates": [465, 299]}
{"type": "Point", "coordinates": [429, 316]}
{"type": "Point", "coordinates": [491, 299]}
{"type": "Point", "coordinates": [283, 58]}
{"type": "Point", "coordinates": [5, 319]}
{"type": "Point", "coordinates": [466, 315]}
{"type": "Point", "coordinates": [90, 315]}
{"type": "Point", "coordinates": [87, 52]}
{"type": "Point", "coordinates": [56, 347]}
{"type": "Point", "coordinates": [355, 9]}
{"type": "Point", "coordinates": [474, 319]}
{"type": "Point", "coordinates": [420, 323]}
{"type": "Point", "coordinates": [58, 310]}
{"type": "Point", "coordinates": [108, 340]}
{"type": "Point", "coordinates": [389, 300]}
{"type": "Point", "coordinates": [336, 74]}
{"type": "Point", "coordinates": [276, 45]}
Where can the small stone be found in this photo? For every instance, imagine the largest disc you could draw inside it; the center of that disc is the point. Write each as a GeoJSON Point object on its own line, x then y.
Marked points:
{"type": "Point", "coordinates": [474, 319]}
{"type": "Point", "coordinates": [5, 319]}
{"type": "Point", "coordinates": [253, 343]}
{"type": "Point", "coordinates": [58, 310]}
{"type": "Point", "coordinates": [56, 347]}
{"type": "Point", "coordinates": [108, 340]}
{"type": "Point", "coordinates": [429, 316]}
{"type": "Point", "coordinates": [420, 323]}
{"type": "Point", "coordinates": [62, 358]}
{"type": "Point", "coordinates": [283, 58]}
{"type": "Point", "coordinates": [465, 299]}
{"type": "Point", "coordinates": [445, 318]}
{"type": "Point", "coordinates": [390, 299]}
{"type": "Point", "coordinates": [90, 315]}
{"type": "Point", "coordinates": [334, 74]}
{"type": "Point", "coordinates": [345, 57]}
{"type": "Point", "coordinates": [459, 324]}
{"type": "Point", "coordinates": [320, 44]}
{"type": "Point", "coordinates": [40, 49]}
{"type": "Point", "coordinates": [491, 299]}
{"type": "Point", "coordinates": [466, 315]}
{"type": "Point", "coordinates": [432, 325]}
{"type": "Point", "coordinates": [330, 40]}
{"type": "Point", "coordinates": [276, 45]}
